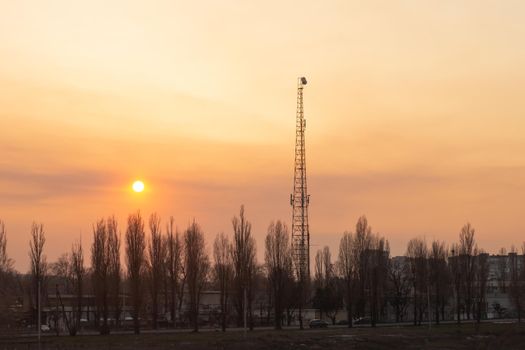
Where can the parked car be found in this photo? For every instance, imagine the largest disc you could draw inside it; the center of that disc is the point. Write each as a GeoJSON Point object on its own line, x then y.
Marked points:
{"type": "Point", "coordinates": [45, 328]}
{"type": "Point", "coordinates": [316, 323]}
{"type": "Point", "coordinates": [342, 323]}
{"type": "Point", "coordinates": [363, 320]}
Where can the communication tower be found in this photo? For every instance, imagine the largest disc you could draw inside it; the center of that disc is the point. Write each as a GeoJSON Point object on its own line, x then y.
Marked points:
{"type": "Point", "coordinates": [300, 199]}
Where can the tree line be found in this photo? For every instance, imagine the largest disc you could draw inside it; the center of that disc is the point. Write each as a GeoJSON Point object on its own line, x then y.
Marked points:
{"type": "Point", "coordinates": [167, 271]}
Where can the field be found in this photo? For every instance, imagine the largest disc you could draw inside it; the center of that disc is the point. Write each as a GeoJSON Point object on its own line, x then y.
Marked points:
{"type": "Point", "coordinates": [488, 336]}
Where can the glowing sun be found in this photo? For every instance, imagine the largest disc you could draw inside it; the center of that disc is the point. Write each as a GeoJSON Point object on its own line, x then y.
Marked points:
{"type": "Point", "coordinates": [138, 186]}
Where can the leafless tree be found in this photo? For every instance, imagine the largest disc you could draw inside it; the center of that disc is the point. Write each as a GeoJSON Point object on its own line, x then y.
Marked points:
{"type": "Point", "coordinates": [100, 274]}
{"type": "Point", "coordinates": [114, 267]}
{"type": "Point", "coordinates": [379, 256]}
{"type": "Point", "coordinates": [8, 279]}
{"type": "Point", "coordinates": [417, 253]}
{"type": "Point", "coordinates": [136, 261]}
{"type": "Point", "coordinates": [455, 272]}
{"type": "Point", "coordinates": [438, 276]}
{"type": "Point", "coordinates": [400, 287]}
{"type": "Point", "coordinates": [362, 245]}
{"type": "Point", "coordinates": [77, 274]}
{"type": "Point", "coordinates": [157, 254]}
{"type": "Point", "coordinates": [6, 263]}
{"type": "Point", "coordinates": [517, 281]}
{"type": "Point", "coordinates": [197, 268]}
{"type": "Point", "coordinates": [278, 262]}
{"type": "Point", "coordinates": [346, 265]}
{"type": "Point", "coordinates": [481, 274]}
{"type": "Point", "coordinates": [38, 264]}
{"type": "Point", "coordinates": [223, 270]}
{"type": "Point", "coordinates": [467, 252]}
{"type": "Point", "coordinates": [174, 267]}
{"type": "Point", "coordinates": [244, 265]}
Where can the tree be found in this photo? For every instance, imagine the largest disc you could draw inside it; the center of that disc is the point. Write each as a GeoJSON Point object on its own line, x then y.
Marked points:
{"type": "Point", "coordinates": [244, 266]}
{"type": "Point", "coordinates": [223, 270]}
{"type": "Point", "coordinates": [197, 269]}
{"type": "Point", "coordinates": [6, 263]}
{"type": "Point", "coordinates": [157, 253]}
{"type": "Point", "coordinates": [455, 271]}
{"type": "Point", "coordinates": [38, 264]}
{"type": "Point", "coordinates": [400, 286]}
{"type": "Point", "coordinates": [347, 271]}
{"type": "Point", "coordinates": [327, 295]}
{"type": "Point", "coordinates": [467, 252]}
{"type": "Point", "coordinates": [100, 274]}
{"type": "Point", "coordinates": [135, 260]}
{"type": "Point", "coordinates": [362, 244]}
{"type": "Point", "coordinates": [481, 275]}
{"type": "Point", "coordinates": [416, 254]}
{"type": "Point", "coordinates": [517, 281]}
{"type": "Point", "coordinates": [277, 259]}
{"type": "Point", "coordinates": [379, 255]}
{"type": "Point", "coordinates": [114, 267]}
{"type": "Point", "coordinates": [439, 277]}
{"type": "Point", "coordinates": [174, 267]}
{"type": "Point", "coordinates": [77, 280]}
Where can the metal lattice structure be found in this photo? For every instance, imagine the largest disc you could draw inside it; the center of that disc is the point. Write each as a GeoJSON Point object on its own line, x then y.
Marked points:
{"type": "Point", "coordinates": [300, 199]}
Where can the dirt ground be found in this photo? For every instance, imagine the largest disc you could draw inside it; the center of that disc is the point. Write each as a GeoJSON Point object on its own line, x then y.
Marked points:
{"type": "Point", "coordinates": [488, 336]}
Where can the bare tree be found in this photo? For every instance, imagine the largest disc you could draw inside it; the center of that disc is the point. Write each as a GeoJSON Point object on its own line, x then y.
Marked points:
{"type": "Point", "coordinates": [439, 276]}
{"type": "Point", "coordinates": [100, 274]}
{"type": "Point", "coordinates": [114, 267]}
{"type": "Point", "coordinates": [517, 282]}
{"type": "Point", "coordinates": [455, 272]}
{"type": "Point", "coordinates": [362, 244]}
{"type": "Point", "coordinates": [77, 274]}
{"type": "Point", "coordinates": [6, 263]}
{"type": "Point", "coordinates": [244, 265]}
{"type": "Point", "coordinates": [277, 262]}
{"type": "Point", "coordinates": [38, 264]}
{"type": "Point", "coordinates": [197, 269]}
{"type": "Point", "coordinates": [327, 294]}
{"type": "Point", "coordinates": [417, 253]}
{"type": "Point", "coordinates": [347, 271]}
{"type": "Point", "coordinates": [157, 253]}
{"type": "Point", "coordinates": [467, 247]}
{"type": "Point", "coordinates": [400, 287]}
{"type": "Point", "coordinates": [135, 260]}
{"type": "Point", "coordinates": [223, 269]}
{"type": "Point", "coordinates": [481, 275]}
{"type": "Point", "coordinates": [174, 267]}
{"type": "Point", "coordinates": [8, 280]}
{"type": "Point", "coordinates": [379, 255]}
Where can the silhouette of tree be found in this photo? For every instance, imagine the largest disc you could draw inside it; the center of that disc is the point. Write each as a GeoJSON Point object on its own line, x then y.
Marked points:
{"type": "Point", "coordinates": [278, 262]}
{"type": "Point", "coordinates": [223, 270]}
{"type": "Point", "coordinates": [197, 269]}
{"type": "Point", "coordinates": [100, 274]}
{"type": "Point", "coordinates": [157, 253]}
{"type": "Point", "coordinates": [38, 265]}
{"type": "Point", "coordinates": [174, 268]}
{"type": "Point", "coordinates": [417, 253]}
{"type": "Point", "coordinates": [244, 265]}
{"type": "Point", "coordinates": [136, 261]}
{"type": "Point", "coordinates": [346, 266]}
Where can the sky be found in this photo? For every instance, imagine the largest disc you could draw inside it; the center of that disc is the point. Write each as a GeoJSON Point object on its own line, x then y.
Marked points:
{"type": "Point", "coordinates": [415, 110]}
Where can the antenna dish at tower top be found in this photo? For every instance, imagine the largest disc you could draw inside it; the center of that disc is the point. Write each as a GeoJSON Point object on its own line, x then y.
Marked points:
{"type": "Point", "coordinates": [303, 80]}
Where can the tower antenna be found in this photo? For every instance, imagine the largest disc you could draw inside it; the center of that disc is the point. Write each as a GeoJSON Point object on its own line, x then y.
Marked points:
{"type": "Point", "coordinates": [300, 199]}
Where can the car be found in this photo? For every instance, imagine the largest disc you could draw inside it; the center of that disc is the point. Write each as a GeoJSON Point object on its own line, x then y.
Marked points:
{"type": "Point", "coordinates": [363, 320]}
{"type": "Point", "coordinates": [342, 323]}
{"type": "Point", "coordinates": [316, 323]}
{"type": "Point", "coordinates": [45, 328]}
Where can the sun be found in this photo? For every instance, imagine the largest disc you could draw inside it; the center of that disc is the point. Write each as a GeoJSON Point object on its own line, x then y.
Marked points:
{"type": "Point", "coordinates": [138, 186]}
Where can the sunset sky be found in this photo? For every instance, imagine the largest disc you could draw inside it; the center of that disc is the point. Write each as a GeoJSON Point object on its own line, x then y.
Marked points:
{"type": "Point", "coordinates": [415, 110]}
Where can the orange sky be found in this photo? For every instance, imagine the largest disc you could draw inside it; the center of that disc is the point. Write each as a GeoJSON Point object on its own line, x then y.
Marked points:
{"type": "Point", "coordinates": [415, 116]}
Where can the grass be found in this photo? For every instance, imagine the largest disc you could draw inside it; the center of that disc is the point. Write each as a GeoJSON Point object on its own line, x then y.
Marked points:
{"type": "Point", "coordinates": [488, 336]}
